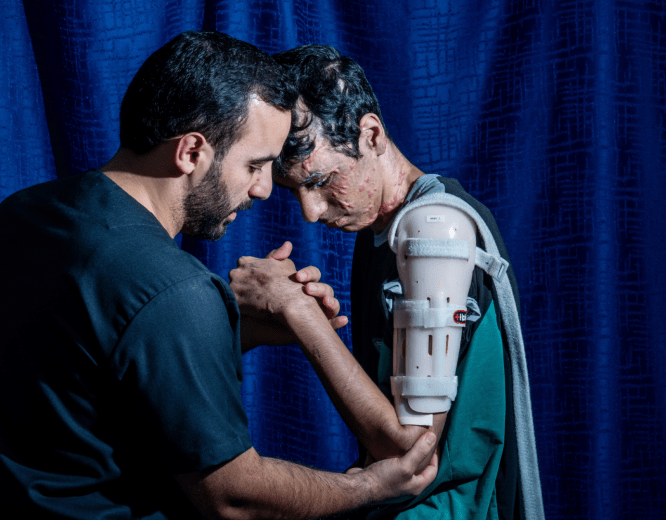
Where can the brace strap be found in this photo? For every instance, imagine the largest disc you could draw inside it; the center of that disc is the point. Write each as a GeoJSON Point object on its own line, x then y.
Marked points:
{"type": "Point", "coordinates": [408, 386]}
{"type": "Point", "coordinates": [495, 266]}
{"type": "Point", "coordinates": [410, 314]}
{"type": "Point", "coordinates": [437, 248]}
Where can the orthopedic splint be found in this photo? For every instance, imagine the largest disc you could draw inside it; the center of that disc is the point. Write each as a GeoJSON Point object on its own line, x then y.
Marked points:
{"type": "Point", "coordinates": [434, 241]}
{"type": "Point", "coordinates": [435, 246]}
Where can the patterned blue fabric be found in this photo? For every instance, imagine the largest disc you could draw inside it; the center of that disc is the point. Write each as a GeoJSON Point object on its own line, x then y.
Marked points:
{"type": "Point", "coordinates": [553, 114]}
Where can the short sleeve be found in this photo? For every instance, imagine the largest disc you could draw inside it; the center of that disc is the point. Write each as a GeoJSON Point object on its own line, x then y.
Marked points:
{"type": "Point", "coordinates": [178, 367]}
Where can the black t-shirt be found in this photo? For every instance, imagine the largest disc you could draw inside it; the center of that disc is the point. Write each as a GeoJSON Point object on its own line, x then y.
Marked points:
{"type": "Point", "coordinates": [120, 359]}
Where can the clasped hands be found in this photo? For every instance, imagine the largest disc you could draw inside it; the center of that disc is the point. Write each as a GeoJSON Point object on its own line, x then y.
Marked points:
{"type": "Point", "coordinates": [270, 290]}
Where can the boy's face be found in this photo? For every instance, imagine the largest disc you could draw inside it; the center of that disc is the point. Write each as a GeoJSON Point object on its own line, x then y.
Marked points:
{"type": "Point", "coordinates": [334, 189]}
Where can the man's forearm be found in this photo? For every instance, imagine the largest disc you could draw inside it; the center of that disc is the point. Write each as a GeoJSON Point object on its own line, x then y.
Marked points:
{"type": "Point", "coordinates": [251, 487]}
{"type": "Point", "coordinates": [365, 409]}
{"type": "Point", "coordinates": [289, 491]}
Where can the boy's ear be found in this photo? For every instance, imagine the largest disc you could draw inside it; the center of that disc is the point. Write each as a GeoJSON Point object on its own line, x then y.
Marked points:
{"type": "Point", "coordinates": [373, 135]}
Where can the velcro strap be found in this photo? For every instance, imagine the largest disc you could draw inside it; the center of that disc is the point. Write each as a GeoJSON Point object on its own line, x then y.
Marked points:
{"type": "Point", "coordinates": [417, 313]}
{"type": "Point", "coordinates": [409, 386]}
{"type": "Point", "coordinates": [495, 266]}
{"type": "Point", "coordinates": [437, 248]}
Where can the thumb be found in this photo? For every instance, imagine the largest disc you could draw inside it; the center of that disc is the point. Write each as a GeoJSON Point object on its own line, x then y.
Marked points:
{"type": "Point", "coordinates": [281, 253]}
{"type": "Point", "coordinates": [420, 451]}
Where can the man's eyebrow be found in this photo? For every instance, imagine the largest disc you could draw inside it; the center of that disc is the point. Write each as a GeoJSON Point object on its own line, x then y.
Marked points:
{"type": "Point", "coordinates": [263, 160]}
{"type": "Point", "coordinates": [311, 178]}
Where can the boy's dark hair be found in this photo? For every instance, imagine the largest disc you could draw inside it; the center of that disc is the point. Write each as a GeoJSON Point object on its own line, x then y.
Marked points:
{"type": "Point", "coordinates": [337, 95]}
{"type": "Point", "coordinates": [199, 82]}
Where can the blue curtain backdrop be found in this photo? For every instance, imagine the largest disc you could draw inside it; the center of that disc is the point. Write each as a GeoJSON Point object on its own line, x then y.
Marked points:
{"type": "Point", "coordinates": [552, 113]}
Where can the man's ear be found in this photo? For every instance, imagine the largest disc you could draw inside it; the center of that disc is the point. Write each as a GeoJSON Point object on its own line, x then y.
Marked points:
{"type": "Point", "coordinates": [372, 133]}
{"type": "Point", "coordinates": [193, 153]}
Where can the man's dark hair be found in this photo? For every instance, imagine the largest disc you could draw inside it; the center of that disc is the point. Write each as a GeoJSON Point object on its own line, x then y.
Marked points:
{"type": "Point", "coordinates": [337, 95]}
{"type": "Point", "coordinates": [199, 82]}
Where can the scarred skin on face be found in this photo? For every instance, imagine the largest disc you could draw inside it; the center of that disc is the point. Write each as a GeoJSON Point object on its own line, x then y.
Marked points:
{"type": "Point", "coordinates": [351, 194]}
{"type": "Point", "coordinates": [334, 189]}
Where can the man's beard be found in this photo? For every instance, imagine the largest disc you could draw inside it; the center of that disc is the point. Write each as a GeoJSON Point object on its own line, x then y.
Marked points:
{"type": "Point", "coordinates": [208, 205]}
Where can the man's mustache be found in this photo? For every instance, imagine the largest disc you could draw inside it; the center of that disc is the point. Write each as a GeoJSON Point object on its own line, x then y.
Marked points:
{"type": "Point", "coordinates": [244, 206]}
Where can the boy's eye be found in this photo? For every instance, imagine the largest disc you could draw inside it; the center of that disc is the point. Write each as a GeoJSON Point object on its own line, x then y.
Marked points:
{"type": "Point", "coordinates": [318, 181]}
{"type": "Point", "coordinates": [321, 182]}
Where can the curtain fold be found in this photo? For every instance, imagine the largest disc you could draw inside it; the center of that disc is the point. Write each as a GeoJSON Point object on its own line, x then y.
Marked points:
{"type": "Point", "coordinates": [23, 126]}
{"type": "Point", "coordinates": [553, 114]}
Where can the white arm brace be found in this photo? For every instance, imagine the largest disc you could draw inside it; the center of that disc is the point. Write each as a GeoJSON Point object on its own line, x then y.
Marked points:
{"type": "Point", "coordinates": [435, 246]}
{"type": "Point", "coordinates": [491, 261]}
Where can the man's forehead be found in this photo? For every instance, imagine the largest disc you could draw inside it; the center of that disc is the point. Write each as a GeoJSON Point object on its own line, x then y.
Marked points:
{"type": "Point", "coordinates": [310, 134]}
{"type": "Point", "coordinates": [322, 158]}
{"type": "Point", "coordinates": [296, 175]}
{"type": "Point", "coordinates": [290, 179]}
{"type": "Point", "coordinates": [301, 172]}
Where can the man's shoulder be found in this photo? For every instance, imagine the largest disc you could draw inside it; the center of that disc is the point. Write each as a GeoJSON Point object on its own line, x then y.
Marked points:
{"type": "Point", "coordinates": [103, 241]}
{"type": "Point", "coordinates": [433, 183]}
{"type": "Point", "coordinates": [136, 258]}
{"type": "Point", "coordinates": [85, 201]}
{"type": "Point", "coordinates": [454, 187]}
{"type": "Point", "coordinates": [436, 183]}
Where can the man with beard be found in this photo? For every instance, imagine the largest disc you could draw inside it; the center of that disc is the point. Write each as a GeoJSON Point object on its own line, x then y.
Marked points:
{"type": "Point", "coordinates": [120, 362]}
{"type": "Point", "coordinates": [346, 172]}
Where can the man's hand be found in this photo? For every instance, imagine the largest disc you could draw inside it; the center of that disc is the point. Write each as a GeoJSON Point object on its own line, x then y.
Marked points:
{"type": "Point", "coordinates": [323, 293]}
{"type": "Point", "coordinates": [267, 288]}
{"type": "Point", "coordinates": [399, 476]}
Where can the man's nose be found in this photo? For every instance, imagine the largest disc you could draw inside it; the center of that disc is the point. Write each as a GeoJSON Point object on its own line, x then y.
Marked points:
{"type": "Point", "coordinates": [313, 205]}
{"type": "Point", "coordinates": [263, 184]}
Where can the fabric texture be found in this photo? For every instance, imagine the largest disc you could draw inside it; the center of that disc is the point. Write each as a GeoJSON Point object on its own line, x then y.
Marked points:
{"type": "Point", "coordinates": [473, 439]}
{"type": "Point", "coordinates": [121, 352]}
{"type": "Point", "coordinates": [551, 113]}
